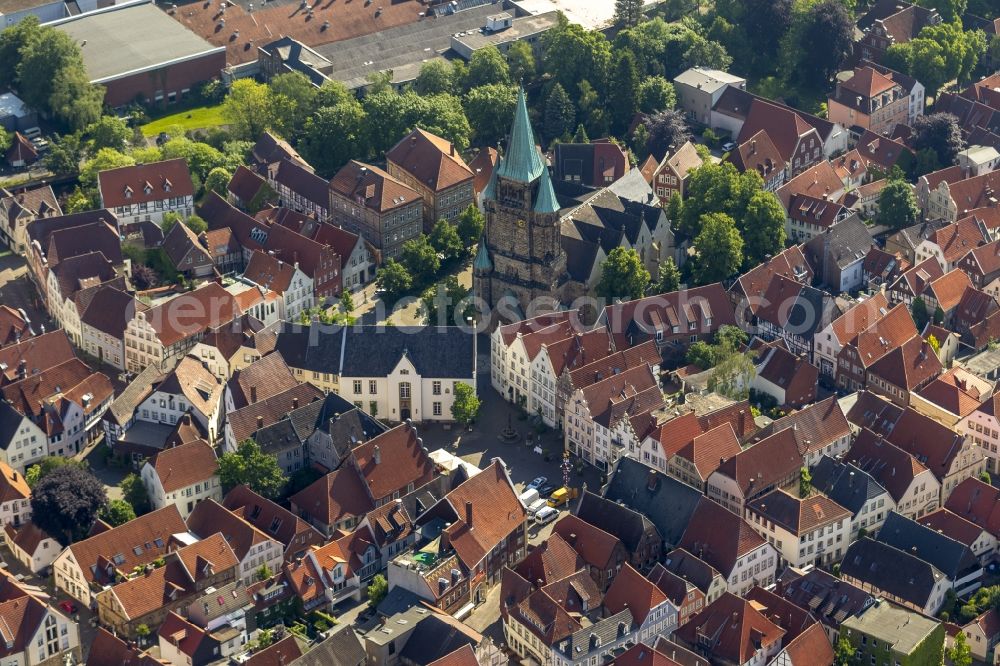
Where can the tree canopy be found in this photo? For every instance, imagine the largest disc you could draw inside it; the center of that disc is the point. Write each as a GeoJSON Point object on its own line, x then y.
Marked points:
{"type": "Point", "coordinates": [250, 466]}
{"type": "Point", "coordinates": [66, 501]}
{"type": "Point", "coordinates": [719, 247]}
{"type": "Point", "coordinates": [897, 206]}
{"type": "Point", "coordinates": [623, 276]}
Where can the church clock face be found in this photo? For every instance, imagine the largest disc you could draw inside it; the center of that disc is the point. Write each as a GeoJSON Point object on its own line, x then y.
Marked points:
{"type": "Point", "coordinates": [521, 224]}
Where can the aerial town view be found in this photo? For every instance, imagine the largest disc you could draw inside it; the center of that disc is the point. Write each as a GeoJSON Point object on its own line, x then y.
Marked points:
{"type": "Point", "coordinates": [499, 332]}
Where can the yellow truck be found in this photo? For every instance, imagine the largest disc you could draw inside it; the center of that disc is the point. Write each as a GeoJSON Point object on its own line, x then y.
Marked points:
{"type": "Point", "coordinates": [561, 496]}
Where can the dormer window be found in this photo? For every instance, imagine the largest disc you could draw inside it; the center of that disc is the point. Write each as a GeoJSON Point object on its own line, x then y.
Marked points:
{"type": "Point", "coordinates": [128, 192]}
{"type": "Point", "coordinates": [167, 185]}
{"type": "Point", "coordinates": [147, 188]}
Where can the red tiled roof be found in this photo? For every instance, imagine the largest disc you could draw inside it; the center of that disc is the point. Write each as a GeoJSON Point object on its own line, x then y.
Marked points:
{"type": "Point", "coordinates": [337, 496]}
{"type": "Point", "coordinates": [815, 181]}
{"type": "Point", "coordinates": [372, 187]}
{"type": "Point", "coordinates": [142, 183]}
{"type": "Point", "coordinates": [890, 465]}
{"type": "Point", "coordinates": [707, 308]}
{"type": "Point", "coordinates": [718, 536]}
{"type": "Point", "coordinates": [35, 354]}
{"type": "Point", "coordinates": [732, 630]}
{"type": "Point", "coordinates": [482, 166]}
{"type": "Point", "coordinates": [797, 515]}
{"type": "Point", "coordinates": [596, 547]}
{"type": "Point", "coordinates": [282, 653]}
{"type": "Point", "coordinates": [952, 392]}
{"type": "Point", "coordinates": [773, 458]}
{"type": "Point", "coordinates": [431, 160]}
{"type": "Point", "coordinates": [932, 443]}
{"type": "Point", "coordinates": [887, 334]}
{"type": "Point", "coordinates": [978, 503]}
{"type": "Point", "coordinates": [908, 367]}
{"type": "Point", "coordinates": [708, 449]}
{"type": "Point", "coordinates": [191, 313]}
{"type": "Point", "coordinates": [550, 561]}
{"type": "Point", "coordinates": [631, 590]}
{"type": "Point", "coordinates": [758, 153]}
{"type": "Point", "coordinates": [784, 126]}
{"type": "Point", "coordinates": [629, 393]}
{"type": "Point", "coordinates": [185, 465]}
{"type": "Point", "coordinates": [496, 513]}
{"type": "Point", "coordinates": [394, 461]}
{"type": "Point", "coordinates": [952, 525]}
{"type": "Point", "coordinates": [860, 317]}
{"type": "Point", "coordinates": [868, 82]}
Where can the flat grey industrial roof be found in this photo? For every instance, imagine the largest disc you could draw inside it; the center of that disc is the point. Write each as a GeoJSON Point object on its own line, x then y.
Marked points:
{"type": "Point", "coordinates": [130, 38]}
{"type": "Point", "coordinates": [522, 27]}
{"type": "Point", "coordinates": [357, 58]}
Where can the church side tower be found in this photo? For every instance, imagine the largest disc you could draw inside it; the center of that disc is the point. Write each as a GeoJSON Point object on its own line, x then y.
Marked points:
{"type": "Point", "coordinates": [521, 256]}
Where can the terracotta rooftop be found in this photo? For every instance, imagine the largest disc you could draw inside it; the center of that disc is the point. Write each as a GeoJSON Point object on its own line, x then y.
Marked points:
{"type": "Point", "coordinates": [796, 515]}
{"type": "Point", "coordinates": [718, 536]}
{"type": "Point", "coordinates": [142, 183]}
{"type": "Point", "coordinates": [372, 187]}
{"type": "Point", "coordinates": [183, 466]}
{"type": "Point", "coordinates": [431, 160]}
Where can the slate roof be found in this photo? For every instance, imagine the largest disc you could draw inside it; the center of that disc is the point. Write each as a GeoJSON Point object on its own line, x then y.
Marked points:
{"type": "Point", "coordinates": [952, 526]}
{"type": "Point", "coordinates": [692, 569]}
{"type": "Point", "coordinates": [342, 647]}
{"type": "Point", "coordinates": [953, 558]}
{"type": "Point", "coordinates": [845, 483]}
{"type": "Point", "coordinates": [668, 503]}
{"type": "Point", "coordinates": [797, 515]}
{"type": "Point", "coordinates": [829, 599]}
{"type": "Point", "coordinates": [891, 570]}
{"type": "Point", "coordinates": [614, 518]}
{"type": "Point", "coordinates": [791, 305]}
{"type": "Point", "coordinates": [375, 351]}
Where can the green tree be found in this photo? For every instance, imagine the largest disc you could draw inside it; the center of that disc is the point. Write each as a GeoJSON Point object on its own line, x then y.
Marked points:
{"type": "Point", "coordinates": [142, 631]}
{"type": "Point", "coordinates": [960, 654]}
{"type": "Point", "coordinates": [487, 66]}
{"type": "Point", "coordinates": [250, 466]}
{"type": "Point", "coordinates": [201, 157]}
{"type": "Point", "coordinates": [446, 303]}
{"type": "Point", "coordinates": [64, 154]}
{"type": "Point", "coordinates": [628, 12]}
{"type": "Point", "coordinates": [489, 110]}
{"type": "Point", "coordinates": [933, 342]}
{"type": "Point", "coordinates": [435, 78]}
{"type": "Point", "coordinates": [74, 101]}
{"type": "Point", "coordinates": [818, 41]}
{"type": "Point", "coordinates": [378, 588]}
{"type": "Point", "coordinates": [393, 278]}
{"type": "Point", "coordinates": [843, 652]}
{"type": "Point", "coordinates": [701, 354]}
{"type": "Point", "coordinates": [13, 41]}
{"type": "Point", "coordinates": [897, 206]}
{"type": "Point", "coordinates": [938, 315]}
{"type": "Point", "coordinates": [41, 59]}
{"type": "Point", "coordinates": [732, 376]}
{"type": "Point", "coordinates": [656, 94]}
{"type": "Point", "coordinates": [666, 131]}
{"type": "Point", "coordinates": [346, 302]}
{"type": "Point", "coordinates": [5, 140]}
{"type": "Point", "coordinates": [420, 258]}
{"type": "Point", "coordinates": [623, 276]}
{"type": "Point", "coordinates": [264, 573]}
{"type": "Point", "coordinates": [719, 247]}
{"type": "Point", "coordinates": [249, 109]}
{"type": "Point", "coordinates": [103, 159]}
{"type": "Point", "coordinates": [294, 98]}
{"type": "Point", "coordinates": [580, 136]}
{"type": "Point", "coordinates": [950, 10]}
{"type": "Point", "coordinates": [805, 483]}
{"type": "Point", "coordinates": [465, 406]}
{"type": "Point", "coordinates": [623, 90]}
{"type": "Point", "coordinates": [560, 114]}
{"type": "Point", "coordinates": [333, 135]}
{"type": "Point", "coordinates": [730, 338]}
{"type": "Point", "coordinates": [134, 492]}
{"type": "Point", "coordinates": [669, 278]}
{"type": "Point", "coordinates": [470, 225]}
{"type": "Point", "coordinates": [47, 465]}
{"type": "Point", "coordinates": [984, 476]}
{"type": "Point", "coordinates": [196, 224]}
{"type": "Point", "coordinates": [109, 132]}
{"type": "Point", "coordinates": [574, 54]}
{"type": "Point", "coordinates": [707, 53]}
{"type": "Point", "coordinates": [521, 60]}
{"type": "Point", "coordinates": [445, 240]}
{"type": "Point", "coordinates": [117, 512]}
{"type": "Point", "coordinates": [217, 181]}
{"type": "Point", "coordinates": [918, 310]}
{"type": "Point", "coordinates": [763, 228]}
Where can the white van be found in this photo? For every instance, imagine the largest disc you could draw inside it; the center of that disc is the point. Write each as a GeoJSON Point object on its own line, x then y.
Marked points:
{"type": "Point", "coordinates": [546, 515]}
{"type": "Point", "coordinates": [537, 506]}
{"type": "Point", "coordinates": [529, 497]}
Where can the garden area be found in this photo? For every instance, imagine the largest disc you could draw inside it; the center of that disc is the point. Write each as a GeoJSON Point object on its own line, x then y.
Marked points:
{"type": "Point", "coordinates": [203, 117]}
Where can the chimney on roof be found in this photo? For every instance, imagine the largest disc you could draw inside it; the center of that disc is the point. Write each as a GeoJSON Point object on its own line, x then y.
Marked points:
{"type": "Point", "coordinates": [253, 394]}
{"type": "Point", "coordinates": [651, 480]}
{"type": "Point", "coordinates": [753, 147]}
{"type": "Point", "coordinates": [413, 140]}
{"type": "Point", "coordinates": [260, 422]}
{"type": "Point", "coordinates": [295, 403]}
{"type": "Point", "coordinates": [377, 455]}
{"type": "Point", "coordinates": [468, 513]}
{"type": "Point", "coordinates": [452, 150]}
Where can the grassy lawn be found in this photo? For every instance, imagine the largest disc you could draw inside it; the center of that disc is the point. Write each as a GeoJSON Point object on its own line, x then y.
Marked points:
{"type": "Point", "coordinates": [189, 119]}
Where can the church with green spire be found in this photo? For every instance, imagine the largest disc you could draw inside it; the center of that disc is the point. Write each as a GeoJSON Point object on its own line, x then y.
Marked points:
{"type": "Point", "coordinates": [520, 257]}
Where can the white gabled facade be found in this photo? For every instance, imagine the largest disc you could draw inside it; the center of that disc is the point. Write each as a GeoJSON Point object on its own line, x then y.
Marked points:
{"type": "Point", "coordinates": [403, 394]}
{"type": "Point", "coordinates": [27, 445]}
{"type": "Point", "coordinates": [184, 498]}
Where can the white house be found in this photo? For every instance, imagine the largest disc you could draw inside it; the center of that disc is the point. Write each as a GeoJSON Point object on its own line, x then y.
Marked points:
{"type": "Point", "coordinates": [190, 387]}
{"type": "Point", "coordinates": [183, 476]}
{"type": "Point", "coordinates": [983, 427]}
{"type": "Point", "coordinates": [293, 286]}
{"type": "Point", "coordinates": [15, 497]}
{"type": "Point", "coordinates": [31, 546]}
{"type": "Point", "coordinates": [22, 442]}
{"type": "Point", "coordinates": [144, 192]}
{"type": "Point", "coordinates": [815, 530]}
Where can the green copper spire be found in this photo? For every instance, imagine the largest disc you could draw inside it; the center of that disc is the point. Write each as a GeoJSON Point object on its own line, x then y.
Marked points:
{"type": "Point", "coordinates": [490, 191]}
{"type": "Point", "coordinates": [482, 263]}
{"type": "Point", "coordinates": [546, 201]}
{"type": "Point", "coordinates": [522, 161]}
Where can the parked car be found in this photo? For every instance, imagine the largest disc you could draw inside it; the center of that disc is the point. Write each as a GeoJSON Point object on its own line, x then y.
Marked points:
{"type": "Point", "coordinates": [31, 133]}
{"type": "Point", "coordinates": [728, 146]}
{"type": "Point", "coordinates": [546, 515]}
{"type": "Point", "coordinates": [537, 506]}
{"type": "Point", "coordinates": [536, 483]}
{"type": "Point", "coordinates": [546, 490]}
{"type": "Point", "coordinates": [68, 606]}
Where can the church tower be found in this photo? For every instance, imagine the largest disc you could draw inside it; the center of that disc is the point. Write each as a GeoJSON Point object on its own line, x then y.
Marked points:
{"type": "Point", "coordinates": [520, 257]}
